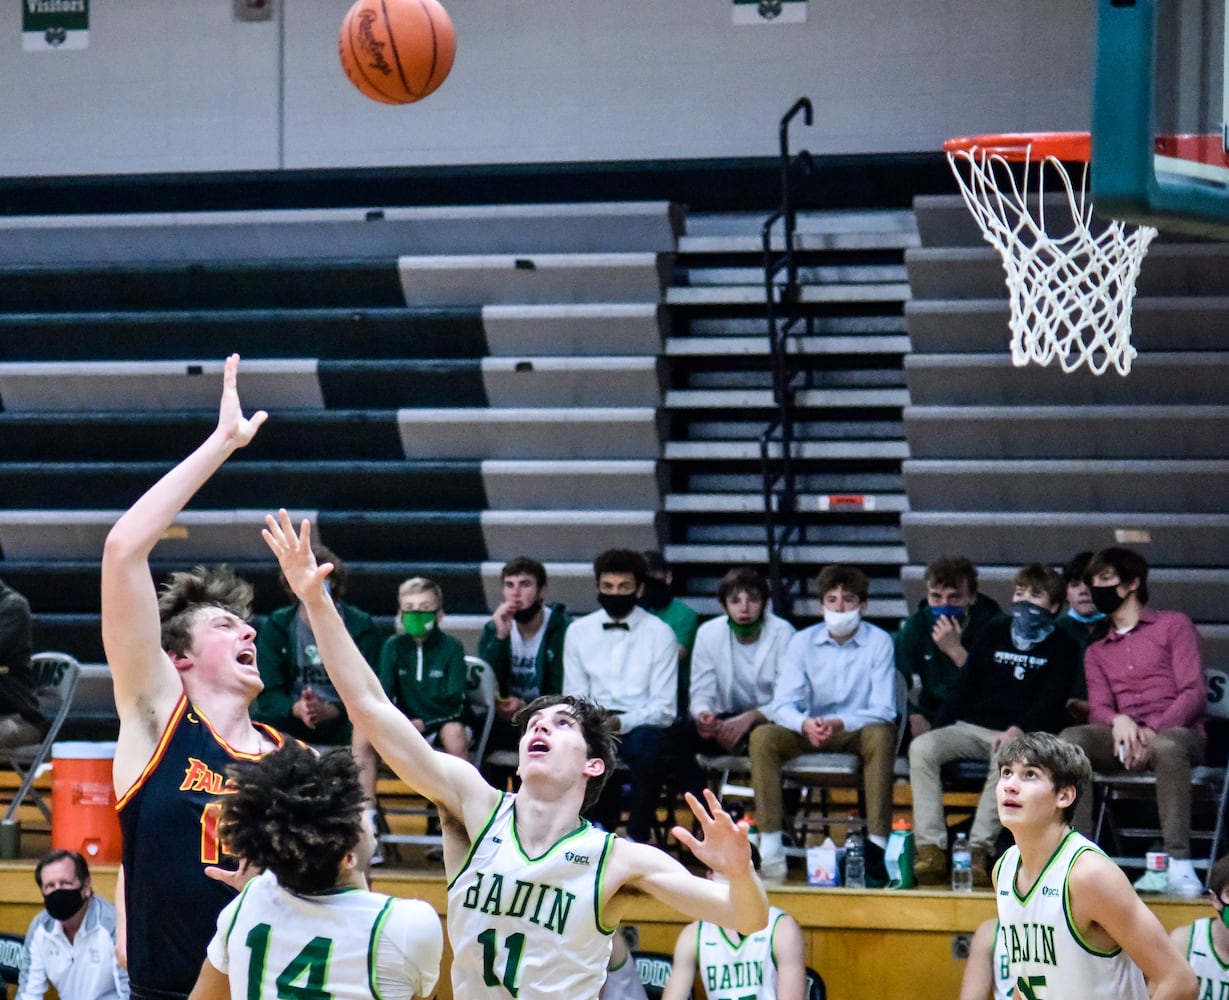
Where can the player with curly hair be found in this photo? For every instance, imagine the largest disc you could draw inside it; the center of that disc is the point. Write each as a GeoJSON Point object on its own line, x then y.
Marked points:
{"type": "Point", "coordinates": [308, 923]}
{"type": "Point", "coordinates": [183, 667]}
{"type": "Point", "coordinates": [534, 891]}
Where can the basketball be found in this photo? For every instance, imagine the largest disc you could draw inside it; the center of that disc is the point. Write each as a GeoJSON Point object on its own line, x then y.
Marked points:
{"type": "Point", "coordinates": [397, 51]}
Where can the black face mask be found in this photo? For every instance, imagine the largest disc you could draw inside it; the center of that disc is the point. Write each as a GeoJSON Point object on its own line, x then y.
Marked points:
{"type": "Point", "coordinates": [63, 903]}
{"type": "Point", "coordinates": [618, 606]}
{"type": "Point", "coordinates": [656, 594]}
{"type": "Point", "coordinates": [1107, 600]}
{"type": "Point", "coordinates": [523, 616]}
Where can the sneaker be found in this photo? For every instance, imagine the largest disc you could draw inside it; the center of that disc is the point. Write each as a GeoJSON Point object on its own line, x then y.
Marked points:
{"type": "Point", "coordinates": [930, 865]}
{"type": "Point", "coordinates": [773, 870]}
{"type": "Point", "coordinates": [1182, 879]}
{"type": "Point", "coordinates": [1153, 882]}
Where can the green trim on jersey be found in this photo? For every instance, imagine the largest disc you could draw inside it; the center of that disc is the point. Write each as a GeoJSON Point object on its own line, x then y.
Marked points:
{"type": "Point", "coordinates": [516, 840]}
{"type": "Point", "coordinates": [1075, 933]}
{"type": "Point", "coordinates": [473, 844]}
{"type": "Point", "coordinates": [599, 887]}
{"type": "Point", "coordinates": [373, 944]}
{"type": "Point", "coordinates": [235, 915]}
{"type": "Point", "coordinates": [1015, 877]}
{"type": "Point", "coordinates": [1211, 943]}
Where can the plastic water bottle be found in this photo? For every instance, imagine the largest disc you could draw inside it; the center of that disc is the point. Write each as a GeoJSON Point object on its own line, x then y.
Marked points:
{"type": "Point", "coordinates": [962, 865]}
{"type": "Point", "coordinates": [855, 862]}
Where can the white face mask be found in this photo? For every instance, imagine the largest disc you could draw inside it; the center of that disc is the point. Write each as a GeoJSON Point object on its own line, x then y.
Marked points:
{"type": "Point", "coordinates": [842, 623]}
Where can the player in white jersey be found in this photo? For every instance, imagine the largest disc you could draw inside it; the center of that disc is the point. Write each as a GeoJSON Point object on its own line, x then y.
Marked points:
{"type": "Point", "coordinates": [519, 864]}
{"type": "Point", "coordinates": [1205, 943]}
{"type": "Point", "coordinates": [767, 964]}
{"type": "Point", "coordinates": [307, 926]}
{"type": "Point", "coordinates": [987, 973]}
{"type": "Point", "coordinates": [1073, 926]}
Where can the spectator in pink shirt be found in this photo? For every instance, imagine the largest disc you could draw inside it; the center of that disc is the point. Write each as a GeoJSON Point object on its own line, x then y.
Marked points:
{"type": "Point", "coordinates": [1147, 701]}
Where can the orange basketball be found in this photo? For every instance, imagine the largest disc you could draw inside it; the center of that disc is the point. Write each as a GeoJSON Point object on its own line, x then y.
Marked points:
{"type": "Point", "coordinates": [397, 51]}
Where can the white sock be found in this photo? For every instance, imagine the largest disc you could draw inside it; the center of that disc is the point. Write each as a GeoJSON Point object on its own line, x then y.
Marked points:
{"type": "Point", "coordinates": [1182, 866]}
{"type": "Point", "coordinates": [771, 846]}
{"type": "Point", "coordinates": [877, 840]}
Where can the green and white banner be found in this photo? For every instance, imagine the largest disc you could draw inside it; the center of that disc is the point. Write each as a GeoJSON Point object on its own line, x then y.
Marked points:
{"type": "Point", "coordinates": [47, 25]}
{"type": "Point", "coordinates": [770, 11]}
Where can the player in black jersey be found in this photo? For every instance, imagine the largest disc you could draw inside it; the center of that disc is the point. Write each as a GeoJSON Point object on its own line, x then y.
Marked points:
{"type": "Point", "coordinates": [183, 665]}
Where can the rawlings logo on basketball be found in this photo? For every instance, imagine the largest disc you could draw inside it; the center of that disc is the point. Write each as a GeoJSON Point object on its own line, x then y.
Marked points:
{"type": "Point", "coordinates": [370, 44]}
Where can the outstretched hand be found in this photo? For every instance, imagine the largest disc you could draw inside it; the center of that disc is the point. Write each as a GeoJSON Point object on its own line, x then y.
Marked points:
{"type": "Point", "coordinates": [724, 848]}
{"type": "Point", "coordinates": [236, 878]}
{"type": "Point", "coordinates": [294, 554]}
{"type": "Point", "coordinates": [237, 428]}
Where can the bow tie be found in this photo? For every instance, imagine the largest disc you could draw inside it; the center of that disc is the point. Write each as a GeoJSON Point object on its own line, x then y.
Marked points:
{"type": "Point", "coordinates": [623, 625]}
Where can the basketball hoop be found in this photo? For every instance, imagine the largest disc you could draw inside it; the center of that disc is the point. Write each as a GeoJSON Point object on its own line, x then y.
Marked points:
{"type": "Point", "coordinates": [1070, 294]}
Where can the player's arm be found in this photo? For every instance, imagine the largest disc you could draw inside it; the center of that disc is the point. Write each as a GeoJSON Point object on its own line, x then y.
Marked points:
{"type": "Point", "coordinates": [146, 684]}
{"type": "Point", "coordinates": [1103, 902]}
{"type": "Point", "coordinates": [683, 968]}
{"type": "Point", "coordinates": [740, 902]}
{"type": "Point", "coordinates": [210, 984]}
{"type": "Point", "coordinates": [454, 785]}
{"type": "Point", "coordinates": [977, 983]}
{"type": "Point", "coordinates": [789, 951]}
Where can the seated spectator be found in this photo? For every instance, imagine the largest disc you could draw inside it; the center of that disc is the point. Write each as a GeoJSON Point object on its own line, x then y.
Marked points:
{"type": "Point", "coordinates": [298, 697]}
{"type": "Point", "coordinates": [1085, 624]}
{"type": "Point", "coordinates": [71, 944]}
{"type": "Point", "coordinates": [835, 691]}
{"type": "Point", "coordinates": [933, 642]}
{"type": "Point", "coordinates": [1147, 705]}
{"type": "Point", "coordinates": [523, 643]}
{"type": "Point", "coordinates": [659, 598]}
{"type": "Point", "coordinates": [1016, 680]}
{"type": "Point", "coordinates": [734, 665]}
{"type": "Point", "coordinates": [626, 660]}
{"type": "Point", "coordinates": [767, 965]}
{"type": "Point", "coordinates": [622, 977]}
{"type": "Point", "coordinates": [423, 672]}
{"type": "Point", "coordinates": [21, 722]}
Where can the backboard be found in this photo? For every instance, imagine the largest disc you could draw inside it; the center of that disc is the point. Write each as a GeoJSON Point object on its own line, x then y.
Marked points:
{"type": "Point", "coordinates": [1160, 108]}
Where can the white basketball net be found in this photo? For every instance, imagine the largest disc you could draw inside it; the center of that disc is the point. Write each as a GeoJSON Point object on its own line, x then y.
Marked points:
{"type": "Point", "coordinates": [1070, 294]}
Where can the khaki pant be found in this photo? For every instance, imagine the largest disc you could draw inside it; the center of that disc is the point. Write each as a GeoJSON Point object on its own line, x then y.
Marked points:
{"type": "Point", "coordinates": [771, 746]}
{"type": "Point", "coordinates": [927, 754]}
{"type": "Point", "coordinates": [1174, 753]}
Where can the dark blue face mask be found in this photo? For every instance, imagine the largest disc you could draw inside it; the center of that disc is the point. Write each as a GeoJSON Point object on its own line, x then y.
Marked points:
{"type": "Point", "coordinates": [946, 611]}
{"type": "Point", "coordinates": [1030, 624]}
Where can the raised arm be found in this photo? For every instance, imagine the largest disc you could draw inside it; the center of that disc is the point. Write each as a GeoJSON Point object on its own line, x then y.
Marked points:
{"type": "Point", "coordinates": [454, 785]}
{"type": "Point", "coordinates": [146, 684]}
{"type": "Point", "coordinates": [740, 902]}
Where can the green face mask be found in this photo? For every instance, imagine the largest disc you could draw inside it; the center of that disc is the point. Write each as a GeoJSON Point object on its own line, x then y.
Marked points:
{"type": "Point", "coordinates": [1224, 915]}
{"type": "Point", "coordinates": [417, 623]}
{"type": "Point", "coordinates": [746, 631]}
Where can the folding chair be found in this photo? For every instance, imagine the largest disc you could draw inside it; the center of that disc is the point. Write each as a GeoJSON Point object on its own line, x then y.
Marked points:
{"type": "Point", "coordinates": [816, 990]}
{"type": "Point", "coordinates": [55, 676]}
{"type": "Point", "coordinates": [815, 775]}
{"type": "Point", "coordinates": [1210, 791]}
{"type": "Point", "coordinates": [481, 699]}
